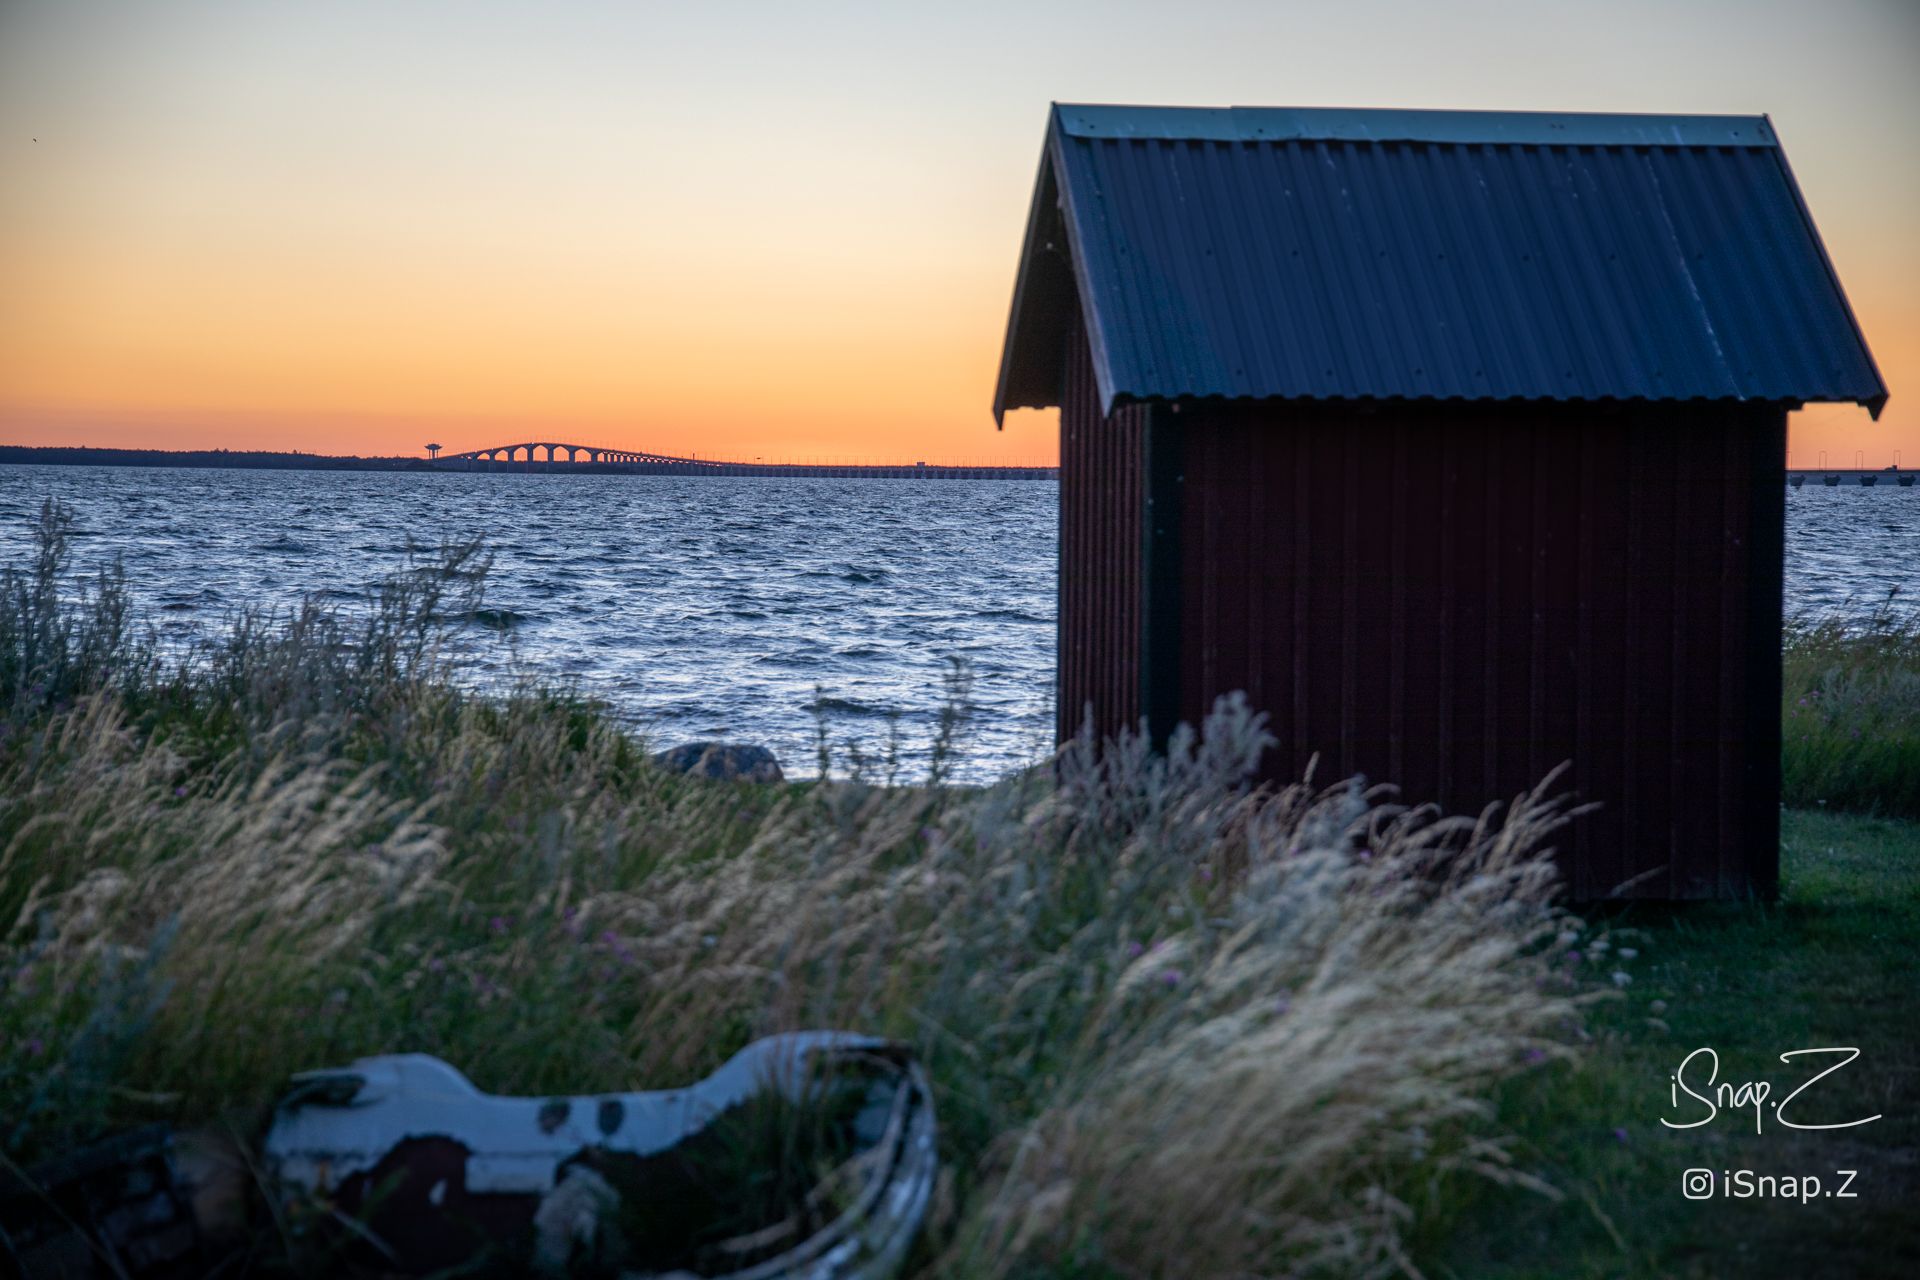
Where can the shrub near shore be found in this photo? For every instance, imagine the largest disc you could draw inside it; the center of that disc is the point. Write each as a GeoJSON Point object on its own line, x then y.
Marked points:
{"type": "Point", "coordinates": [1176, 1027]}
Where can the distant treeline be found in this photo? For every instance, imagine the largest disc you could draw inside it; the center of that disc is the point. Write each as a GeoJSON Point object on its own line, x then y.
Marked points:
{"type": "Point", "coordinates": [80, 457]}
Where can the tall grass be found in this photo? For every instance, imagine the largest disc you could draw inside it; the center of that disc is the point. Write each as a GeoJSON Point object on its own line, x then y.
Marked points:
{"type": "Point", "coordinates": [1851, 713]}
{"type": "Point", "coordinates": [53, 648]}
{"type": "Point", "coordinates": [1177, 1026]}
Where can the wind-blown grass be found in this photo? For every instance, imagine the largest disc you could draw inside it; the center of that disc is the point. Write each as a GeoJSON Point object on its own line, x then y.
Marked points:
{"type": "Point", "coordinates": [1177, 1026]}
{"type": "Point", "coordinates": [1851, 714]}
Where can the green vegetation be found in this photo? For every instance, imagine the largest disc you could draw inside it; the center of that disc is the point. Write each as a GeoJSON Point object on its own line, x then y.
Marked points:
{"type": "Point", "coordinates": [1851, 722]}
{"type": "Point", "coordinates": [1174, 1028]}
{"type": "Point", "coordinates": [1831, 963]}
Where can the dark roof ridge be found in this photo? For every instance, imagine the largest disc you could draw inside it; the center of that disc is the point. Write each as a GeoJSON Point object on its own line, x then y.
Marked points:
{"type": "Point", "coordinates": [1376, 124]}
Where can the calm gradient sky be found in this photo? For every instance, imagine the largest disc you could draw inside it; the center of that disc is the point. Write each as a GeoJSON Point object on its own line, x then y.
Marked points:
{"type": "Point", "coordinates": [745, 229]}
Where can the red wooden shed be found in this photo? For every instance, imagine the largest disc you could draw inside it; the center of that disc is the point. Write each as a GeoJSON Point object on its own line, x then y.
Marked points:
{"type": "Point", "coordinates": [1455, 439]}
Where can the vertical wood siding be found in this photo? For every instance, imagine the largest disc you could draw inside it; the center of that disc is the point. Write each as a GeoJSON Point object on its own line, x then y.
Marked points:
{"type": "Point", "coordinates": [1458, 599]}
{"type": "Point", "coordinates": [1101, 474]}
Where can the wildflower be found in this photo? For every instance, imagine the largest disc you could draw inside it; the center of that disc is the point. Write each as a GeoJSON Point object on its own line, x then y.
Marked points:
{"type": "Point", "coordinates": [498, 924]}
{"type": "Point", "coordinates": [436, 965]}
{"type": "Point", "coordinates": [1206, 873]}
{"type": "Point", "coordinates": [1620, 1135]}
{"type": "Point", "coordinates": [1282, 1003]}
{"type": "Point", "coordinates": [35, 1046]}
{"type": "Point", "coordinates": [1536, 1055]}
{"type": "Point", "coordinates": [1621, 977]}
{"type": "Point", "coordinates": [1366, 855]}
{"type": "Point", "coordinates": [179, 793]}
{"type": "Point", "coordinates": [1171, 977]}
{"type": "Point", "coordinates": [1134, 950]}
{"type": "Point", "coordinates": [1573, 957]}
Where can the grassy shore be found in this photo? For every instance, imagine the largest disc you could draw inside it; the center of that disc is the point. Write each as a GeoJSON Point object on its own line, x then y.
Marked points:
{"type": "Point", "coordinates": [1830, 964]}
{"type": "Point", "coordinates": [1850, 723]}
{"type": "Point", "coordinates": [1176, 1028]}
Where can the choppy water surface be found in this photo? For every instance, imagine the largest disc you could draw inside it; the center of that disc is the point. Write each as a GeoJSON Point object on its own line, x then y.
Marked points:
{"type": "Point", "coordinates": [699, 607]}
{"type": "Point", "coordinates": [1849, 548]}
{"type": "Point", "coordinates": [714, 608]}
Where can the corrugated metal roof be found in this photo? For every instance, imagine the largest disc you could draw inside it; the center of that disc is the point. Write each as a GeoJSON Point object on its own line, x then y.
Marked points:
{"type": "Point", "coordinates": [1333, 255]}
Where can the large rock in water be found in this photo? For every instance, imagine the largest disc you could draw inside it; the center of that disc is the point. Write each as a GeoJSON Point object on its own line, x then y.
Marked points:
{"type": "Point", "coordinates": [728, 761]}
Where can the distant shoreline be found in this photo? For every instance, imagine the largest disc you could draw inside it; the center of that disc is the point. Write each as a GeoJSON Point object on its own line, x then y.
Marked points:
{"type": "Point", "coordinates": [260, 460]}
{"type": "Point", "coordinates": [252, 460]}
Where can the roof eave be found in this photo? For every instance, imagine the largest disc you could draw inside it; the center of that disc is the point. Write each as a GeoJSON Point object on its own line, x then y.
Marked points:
{"type": "Point", "coordinates": [1032, 358]}
{"type": "Point", "coordinates": [1014, 389]}
{"type": "Point", "coordinates": [1878, 400]}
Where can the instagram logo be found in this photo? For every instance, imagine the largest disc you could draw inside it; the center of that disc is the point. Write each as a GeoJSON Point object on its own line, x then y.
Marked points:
{"type": "Point", "coordinates": [1697, 1184]}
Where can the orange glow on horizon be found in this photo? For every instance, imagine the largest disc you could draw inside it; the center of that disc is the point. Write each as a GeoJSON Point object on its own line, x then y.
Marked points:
{"type": "Point", "coordinates": [734, 230]}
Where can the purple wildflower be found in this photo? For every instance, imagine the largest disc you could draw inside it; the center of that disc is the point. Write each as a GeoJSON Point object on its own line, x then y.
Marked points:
{"type": "Point", "coordinates": [1134, 950]}
{"type": "Point", "coordinates": [1171, 977]}
{"type": "Point", "coordinates": [1536, 1055]}
{"type": "Point", "coordinates": [35, 1046]}
{"type": "Point", "coordinates": [1620, 1135]}
{"type": "Point", "coordinates": [179, 793]}
{"type": "Point", "coordinates": [498, 924]}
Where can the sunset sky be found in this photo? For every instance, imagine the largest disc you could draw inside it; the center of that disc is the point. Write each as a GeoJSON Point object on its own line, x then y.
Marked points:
{"type": "Point", "coordinates": [745, 229]}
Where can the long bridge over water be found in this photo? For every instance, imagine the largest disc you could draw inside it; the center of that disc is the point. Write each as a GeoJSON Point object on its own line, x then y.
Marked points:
{"type": "Point", "coordinates": [545, 455]}
{"type": "Point", "coordinates": [1891, 477]}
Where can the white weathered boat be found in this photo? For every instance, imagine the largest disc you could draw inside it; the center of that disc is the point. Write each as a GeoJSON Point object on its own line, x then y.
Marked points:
{"type": "Point", "coordinates": [428, 1172]}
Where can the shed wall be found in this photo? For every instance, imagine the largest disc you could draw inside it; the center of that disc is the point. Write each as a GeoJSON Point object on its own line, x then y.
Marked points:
{"type": "Point", "coordinates": [1101, 500]}
{"type": "Point", "coordinates": [1457, 599]}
